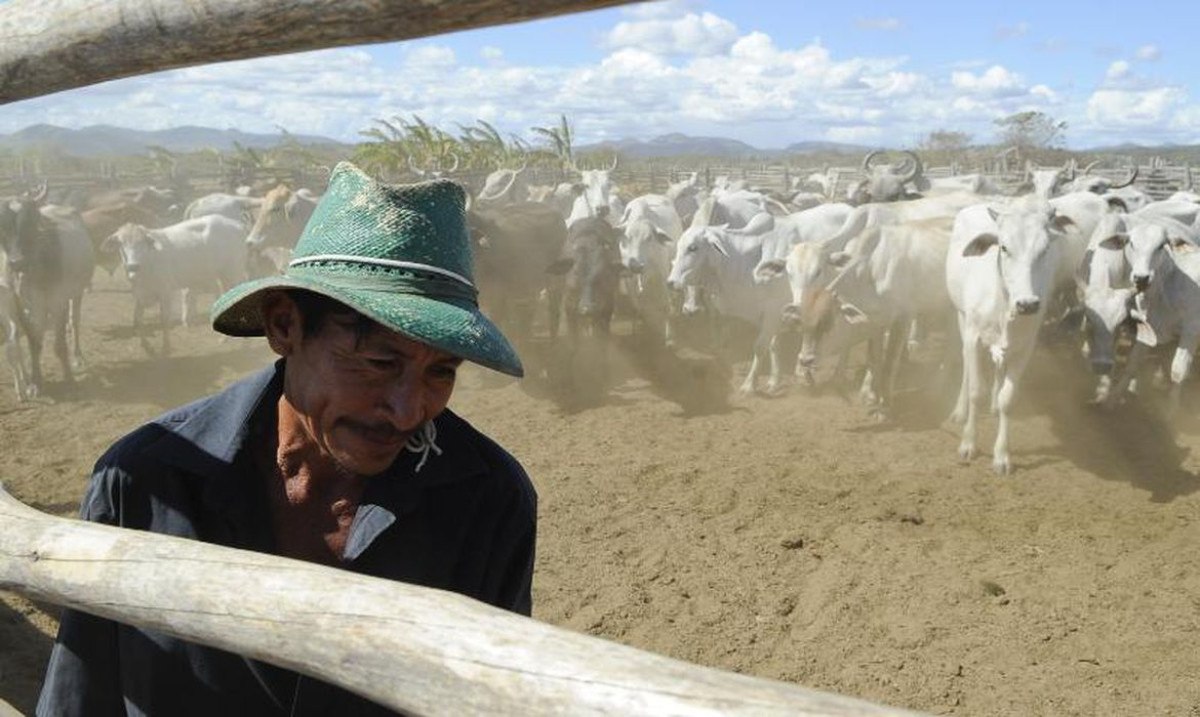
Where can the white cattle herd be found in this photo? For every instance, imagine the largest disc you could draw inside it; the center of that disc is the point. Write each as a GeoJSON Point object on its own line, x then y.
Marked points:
{"type": "Point", "coordinates": [896, 256]}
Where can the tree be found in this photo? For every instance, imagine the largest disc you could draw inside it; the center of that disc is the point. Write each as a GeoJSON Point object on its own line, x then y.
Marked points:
{"type": "Point", "coordinates": [1031, 130]}
{"type": "Point", "coordinates": [944, 140]}
{"type": "Point", "coordinates": [561, 140]}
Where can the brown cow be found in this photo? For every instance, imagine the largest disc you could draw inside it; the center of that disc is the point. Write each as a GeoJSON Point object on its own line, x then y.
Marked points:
{"type": "Point", "coordinates": [102, 221]}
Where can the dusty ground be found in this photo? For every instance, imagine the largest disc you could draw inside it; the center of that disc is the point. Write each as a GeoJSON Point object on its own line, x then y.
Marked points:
{"type": "Point", "coordinates": [791, 538]}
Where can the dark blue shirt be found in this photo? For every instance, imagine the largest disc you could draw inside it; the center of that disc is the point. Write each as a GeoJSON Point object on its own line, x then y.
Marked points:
{"type": "Point", "coordinates": [465, 522]}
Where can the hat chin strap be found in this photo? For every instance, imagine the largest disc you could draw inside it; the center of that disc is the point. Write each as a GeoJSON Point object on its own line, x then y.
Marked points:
{"type": "Point", "coordinates": [391, 263]}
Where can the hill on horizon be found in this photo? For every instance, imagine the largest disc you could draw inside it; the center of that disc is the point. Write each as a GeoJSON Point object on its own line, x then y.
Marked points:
{"type": "Point", "coordinates": [109, 140]}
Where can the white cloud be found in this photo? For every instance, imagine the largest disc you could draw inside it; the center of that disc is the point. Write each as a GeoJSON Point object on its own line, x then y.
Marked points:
{"type": "Point", "coordinates": [1148, 53]}
{"type": "Point", "coordinates": [1133, 108]}
{"type": "Point", "coordinates": [996, 81]}
{"type": "Point", "coordinates": [692, 34]}
{"type": "Point", "coordinates": [435, 57]}
{"type": "Point", "coordinates": [664, 67]}
{"type": "Point", "coordinates": [884, 24]}
{"type": "Point", "coordinates": [1117, 71]}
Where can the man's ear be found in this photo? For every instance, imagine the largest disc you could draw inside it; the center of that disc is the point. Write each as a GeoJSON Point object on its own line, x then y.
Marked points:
{"type": "Point", "coordinates": [282, 322]}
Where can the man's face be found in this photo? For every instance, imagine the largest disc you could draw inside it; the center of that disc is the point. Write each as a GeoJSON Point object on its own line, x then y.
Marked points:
{"type": "Point", "coordinates": [358, 401]}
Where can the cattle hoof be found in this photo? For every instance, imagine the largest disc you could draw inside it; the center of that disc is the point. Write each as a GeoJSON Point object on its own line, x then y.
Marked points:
{"type": "Point", "coordinates": [966, 453]}
{"type": "Point", "coordinates": [1002, 467]}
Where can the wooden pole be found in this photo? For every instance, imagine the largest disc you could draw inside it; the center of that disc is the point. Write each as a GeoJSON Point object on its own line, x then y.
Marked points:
{"type": "Point", "coordinates": [417, 650]}
{"type": "Point", "coordinates": [48, 46]}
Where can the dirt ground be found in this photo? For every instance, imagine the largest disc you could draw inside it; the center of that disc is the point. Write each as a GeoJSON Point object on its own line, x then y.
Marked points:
{"type": "Point", "coordinates": [792, 538]}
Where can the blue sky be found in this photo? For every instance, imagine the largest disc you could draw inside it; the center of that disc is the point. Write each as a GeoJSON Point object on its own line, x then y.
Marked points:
{"type": "Point", "coordinates": [769, 73]}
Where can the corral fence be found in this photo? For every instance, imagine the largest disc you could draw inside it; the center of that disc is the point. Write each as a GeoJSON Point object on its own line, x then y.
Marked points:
{"type": "Point", "coordinates": [416, 650]}
{"type": "Point", "coordinates": [1156, 177]}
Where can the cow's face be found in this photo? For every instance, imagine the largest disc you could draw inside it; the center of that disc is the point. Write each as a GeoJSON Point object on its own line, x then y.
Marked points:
{"type": "Point", "coordinates": [272, 219]}
{"type": "Point", "coordinates": [24, 235]}
{"type": "Point", "coordinates": [643, 246]}
{"type": "Point", "coordinates": [695, 256]}
{"type": "Point", "coordinates": [592, 267]}
{"type": "Point", "coordinates": [1146, 249]}
{"type": "Point", "coordinates": [1025, 240]}
{"type": "Point", "coordinates": [137, 247]}
{"type": "Point", "coordinates": [1047, 183]}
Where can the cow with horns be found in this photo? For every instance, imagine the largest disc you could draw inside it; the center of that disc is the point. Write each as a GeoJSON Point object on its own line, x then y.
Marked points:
{"type": "Point", "coordinates": [887, 182]}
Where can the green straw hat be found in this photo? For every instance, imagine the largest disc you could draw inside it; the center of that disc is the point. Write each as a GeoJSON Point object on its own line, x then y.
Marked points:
{"type": "Point", "coordinates": [399, 254]}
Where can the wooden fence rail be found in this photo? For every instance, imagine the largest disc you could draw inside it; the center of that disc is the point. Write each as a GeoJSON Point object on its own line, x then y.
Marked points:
{"type": "Point", "coordinates": [417, 650]}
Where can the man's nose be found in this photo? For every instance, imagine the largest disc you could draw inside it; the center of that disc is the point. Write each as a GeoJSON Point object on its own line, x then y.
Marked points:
{"type": "Point", "coordinates": [404, 401]}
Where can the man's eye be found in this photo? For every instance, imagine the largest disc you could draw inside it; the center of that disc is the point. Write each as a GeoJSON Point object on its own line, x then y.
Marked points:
{"type": "Point", "coordinates": [382, 363]}
{"type": "Point", "coordinates": [445, 372]}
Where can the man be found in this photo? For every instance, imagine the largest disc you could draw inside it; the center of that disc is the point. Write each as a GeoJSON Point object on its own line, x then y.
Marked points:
{"type": "Point", "coordinates": [341, 453]}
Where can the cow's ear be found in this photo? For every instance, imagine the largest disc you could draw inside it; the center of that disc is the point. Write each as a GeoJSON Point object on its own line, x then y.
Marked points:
{"type": "Point", "coordinates": [1180, 245]}
{"type": "Point", "coordinates": [560, 266]}
{"type": "Point", "coordinates": [156, 241]}
{"type": "Point", "coordinates": [1060, 222]}
{"type": "Point", "coordinates": [662, 238]}
{"type": "Point", "coordinates": [1117, 204]}
{"type": "Point", "coordinates": [1116, 241]}
{"type": "Point", "coordinates": [770, 269]}
{"type": "Point", "coordinates": [980, 244]}
{"type": "Point", "coordinates": [110, 245]}
{"type": "Point", "coordinates": [839, 258]}
{"type": "Point", "coordinates": [716, 244]}
{"type": "Point", "coordinates": [852, 314]}
{"type": "Point", "coordinates": [993, 213]}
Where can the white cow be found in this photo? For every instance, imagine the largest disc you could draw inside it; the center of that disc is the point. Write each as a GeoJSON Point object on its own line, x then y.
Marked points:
{"type": "Point", "coordinates": [503, 187]}
{"type": "Point", "coordinates": [232, 206]}
{"type": "Point", "coordinates": [203, 254]}
{"type": "Point", "coordinates": [1165, 263]}
{"type": "Point", "coordinates": [601, 194]}
{"type": "Point", "coordinates": [561, 196]}
{"type": "Point", "coordinates": [712, 257]}
{"type": "Point", "coordinates": [1000, 271]}
{"type": "Point", "coordinates": [650, 228]}
{"type": "Point", "coordinates": [686, 194]}
{"type": "Point", "coordinates": [894, 276]}
{"type": "Point", "coordinates": [1107, 284]}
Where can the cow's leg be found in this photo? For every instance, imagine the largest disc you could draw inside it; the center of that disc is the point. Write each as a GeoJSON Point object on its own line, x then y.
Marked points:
{"type": "Point", "coordinates": [774, 378]}
{"type": "Point", "coordinates": [164, 317]}
{"type": "Point", "coordinates": [748, 384]}
{"type": "Point", "coordinates": [76, 326]}
{"type": "Point", "coordinates": [61, 318]}
{"type": "Point", "coordinates": [973, 389]}
{"type": "Point", "coordinates": [186, 298]}
{"type": "Point", "coordinates": [959, 415]}
{"type": "Point", "coordinates": [1011, 370]}
{"type": "Point", "coordinates": [893, 356]}
{"type": "Point", "coordinates": [1132, 365]}
{"type": "Point", "coordinates": [1181, 366]}
{"type": "Point", "coordinates": [16, 361]}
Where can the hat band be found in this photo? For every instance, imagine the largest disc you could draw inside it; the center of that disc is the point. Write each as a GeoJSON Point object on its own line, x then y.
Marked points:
{"type": "Point", "coordinates": [373, 261]}
{"type": "Point", "coordinates": [394, 282]}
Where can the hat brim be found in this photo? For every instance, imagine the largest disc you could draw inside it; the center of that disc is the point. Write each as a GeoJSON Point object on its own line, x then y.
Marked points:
{"type": "Point", "coordinates": [460, 331]}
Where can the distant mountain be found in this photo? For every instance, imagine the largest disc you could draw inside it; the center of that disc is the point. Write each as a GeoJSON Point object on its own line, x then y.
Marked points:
{"type": "Point", "coordinates": [102, 140]}
{"type": "Point", "coordinates": [678, 145]}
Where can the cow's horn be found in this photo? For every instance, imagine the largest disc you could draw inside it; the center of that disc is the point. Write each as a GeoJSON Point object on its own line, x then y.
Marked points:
{"type": "Point", "coordinates": [413, 167]}
{"type": "Point", "coordinates": [1133, 173]}
{"type": "Point", "coordinates": [866, 165]}
{"type": "Point", "coordinates": [1090, 166]}
{"type": "Point", "coordinates": [613, 166]}
{"type": "Point", "coordinates": [455, 167]}
{"type": "Point", "coordinates": [38, 194]}
{"type": "Point", "coordinates": [917, 167]}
